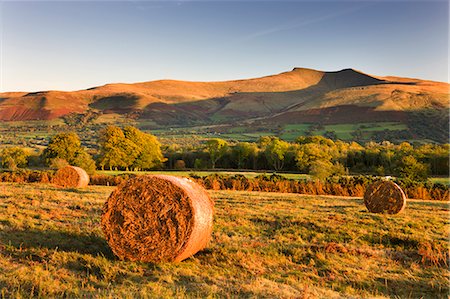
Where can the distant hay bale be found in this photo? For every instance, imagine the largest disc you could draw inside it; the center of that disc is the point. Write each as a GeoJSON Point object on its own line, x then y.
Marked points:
{"type": "Point", "coordinates": [157, 218]}
{"type": "Point", "coordinates": [71, 177]}
{"type": "Point", "coordinates": [385, 197]}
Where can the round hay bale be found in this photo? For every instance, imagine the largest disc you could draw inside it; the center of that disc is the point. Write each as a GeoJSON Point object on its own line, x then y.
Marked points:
{"type": "Point", "coordinates": [71, 177]}
{"type": "Point", "coordinates": [157, 218]}
{"type": "Point", "coordinates": [385, 197]}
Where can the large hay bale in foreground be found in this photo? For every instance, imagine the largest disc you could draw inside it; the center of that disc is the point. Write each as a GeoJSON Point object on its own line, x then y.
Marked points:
{"type": "Point", "coordinates": [157, 218]}
{"type": "Point", "coordinates": [385, 197]}
{"type": "Point", "coordinates": [71, 177]}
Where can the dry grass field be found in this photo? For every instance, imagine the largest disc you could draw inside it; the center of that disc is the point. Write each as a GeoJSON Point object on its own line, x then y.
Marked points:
{"type": "Point", "coordinates": [263, 245]}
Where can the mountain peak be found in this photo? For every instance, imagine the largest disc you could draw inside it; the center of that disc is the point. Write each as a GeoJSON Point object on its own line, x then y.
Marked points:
{"type": "Point", "coordinates": [296, 69]}
{"type": "Point", "coordinates": [301, 89]}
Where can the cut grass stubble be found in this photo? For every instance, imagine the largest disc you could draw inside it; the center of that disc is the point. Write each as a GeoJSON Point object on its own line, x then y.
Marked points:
{"type": "Point", "coordinates": [263, 244]}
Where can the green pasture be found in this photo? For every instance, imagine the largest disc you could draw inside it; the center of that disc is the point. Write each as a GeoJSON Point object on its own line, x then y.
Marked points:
{"type": "Point", "coordinates": [343, 131]}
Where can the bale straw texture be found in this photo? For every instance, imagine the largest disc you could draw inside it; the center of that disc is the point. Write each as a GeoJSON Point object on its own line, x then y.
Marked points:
{"type": "Point", "coordinates": [385, 197]}
{"type": "Point", "coordinates": [157, 218]}
{"type": "Point", "coordinates": [71, 177]}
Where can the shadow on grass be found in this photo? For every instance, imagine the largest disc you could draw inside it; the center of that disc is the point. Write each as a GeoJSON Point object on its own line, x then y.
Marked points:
{"type": "Point", "coordinates": [49, 187]}
{"type": "Point", "coordinates": [343, 209]}
{"type": "Point", "coordinates": [57, 240]}
{"type": "Point", "coordinates": [74, 190]}
{"type": "Point", "coordinates": [408, 288]}
{"type": "Point", "coordinates": [443, 205]}
{"type": "Point", "coordinates": [390, 241]}
{"type": "Point", "coordinates": [271, 227]}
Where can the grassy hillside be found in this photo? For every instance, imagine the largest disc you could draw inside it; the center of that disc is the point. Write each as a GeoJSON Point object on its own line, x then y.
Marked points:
{"type": "Point", "coordinates": [262, 106]}
{"type": "Point", "coordinates": [298, 96]}
{"type": "Point", "coordinates": [123, 98]}
{"type": "Point", "coordinates": [265, 245]}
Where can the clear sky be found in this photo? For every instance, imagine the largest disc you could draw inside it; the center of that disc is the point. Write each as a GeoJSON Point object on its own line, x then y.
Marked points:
{"type": "Point", "coordinates": [76, 45]}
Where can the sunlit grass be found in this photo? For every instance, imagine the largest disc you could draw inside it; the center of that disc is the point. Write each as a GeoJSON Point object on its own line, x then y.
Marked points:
{"type": "Point", "coordinates": [263, 245]}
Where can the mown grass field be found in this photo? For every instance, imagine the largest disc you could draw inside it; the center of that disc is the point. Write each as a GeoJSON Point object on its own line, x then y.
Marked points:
{"type": "Point", "coordinates": [263, 245]}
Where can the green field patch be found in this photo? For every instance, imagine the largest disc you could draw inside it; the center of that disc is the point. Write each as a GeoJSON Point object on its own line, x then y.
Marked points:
{"type": "Point", "coordinates": [440, 180]}
{"type": "Point", "coordinates": [342, 131]}
{"type": "Point", "coordinates": [392, 126]}
{"type": "Point", "coordinates": [238, 129]}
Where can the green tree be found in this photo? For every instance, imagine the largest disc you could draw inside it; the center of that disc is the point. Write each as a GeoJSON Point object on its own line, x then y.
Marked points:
{"type": "Point", "coordinates": [216, 148]}
{"type": "Point", "coordinates": [199, 164]}
{"type": "Point", "coordinates": [321, 169]}
{"type": "Point", "coordinates": [85, 161]}
{"type": "Point", "coordinates": [263, 141]}
{"type": "Point", "coordinates": [128, 148]}
{"type": "Point", "coordinates": [14, 157]}
{"type": "Point", "coordinates": [116, 151]}
{"type": "Point", "coordinates": [314, 139]}
{"type": "Point", "coordinates": [149, 153]}
{"type": "Point", "coordinates": [67, 146]}
{"type": "Point", "coordinates": [243, 151]}
{"type": "Point", "coordinates": [412, 169]}
{"type": "Point", "coordinates": [63, 146]}
{"type": "Point", "coordinates": [275, 151]}
{"type": "Point", "coordinates": [309, 153]}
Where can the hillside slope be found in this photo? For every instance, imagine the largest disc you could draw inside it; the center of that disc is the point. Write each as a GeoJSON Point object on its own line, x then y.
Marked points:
{"type": "Point", "coordinates": [300, 95]}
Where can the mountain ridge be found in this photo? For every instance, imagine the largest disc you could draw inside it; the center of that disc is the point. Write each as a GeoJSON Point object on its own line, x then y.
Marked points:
{"type": "Point", "coordinates": [175, 102]}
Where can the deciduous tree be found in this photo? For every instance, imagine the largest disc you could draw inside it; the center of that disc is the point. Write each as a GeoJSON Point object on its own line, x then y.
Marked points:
{"type": "Point", "coordinates": [128, 148]}
{"type": "Point", "coordinates": [67, 146]}
{"type": "Point", "coordinates": [216, 148]}
{"type": "Point", "coordinates": [14, 157]}
{"type": "Point", "coordinates": [116, 150]}
{"type": "Point", "coordinates": [243, 151]}
{"type": "Point", "coordinates": [275, 152]}
{"type": "Point", "coordinates": [412, 169]}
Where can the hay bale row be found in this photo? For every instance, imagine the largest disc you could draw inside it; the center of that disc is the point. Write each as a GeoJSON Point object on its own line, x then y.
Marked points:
{"type": "Point", "coordinates": [385, 197]}
{"type": "Point", "coordinates": [157, 218]}
{"type": "Point", "coordinates": [71, 177]}
{"type": "Point", "coordinates": [160, 218]}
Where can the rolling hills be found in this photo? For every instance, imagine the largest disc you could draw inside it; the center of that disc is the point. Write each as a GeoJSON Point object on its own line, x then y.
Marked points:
{"type": "Point", "coordinates": [294, 97]}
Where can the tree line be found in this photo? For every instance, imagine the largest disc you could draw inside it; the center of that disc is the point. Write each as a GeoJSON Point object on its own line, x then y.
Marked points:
{"type": "Point", "coordinates": [127, 148]}
{"type": "Point", "coordinates": [131, 149]}
{"type": "Point", "coordinates": [316, 155]}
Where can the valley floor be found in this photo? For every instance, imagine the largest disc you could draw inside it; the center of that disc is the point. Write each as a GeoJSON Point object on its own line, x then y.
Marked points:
{"type": "Point", "coordinates": [263, 245]}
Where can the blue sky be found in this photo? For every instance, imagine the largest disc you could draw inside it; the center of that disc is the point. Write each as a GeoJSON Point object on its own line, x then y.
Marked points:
{"type": "Point", "coordinates": [76, 45]}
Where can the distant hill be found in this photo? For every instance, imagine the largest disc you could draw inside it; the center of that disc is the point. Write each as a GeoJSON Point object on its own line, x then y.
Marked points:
{"type": "Point", "coordinates": [298, 96]}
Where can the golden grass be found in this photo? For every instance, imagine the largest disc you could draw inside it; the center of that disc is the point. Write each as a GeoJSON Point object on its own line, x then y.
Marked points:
{"type": "Point", "coordinates": [263, 245]}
